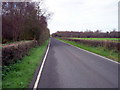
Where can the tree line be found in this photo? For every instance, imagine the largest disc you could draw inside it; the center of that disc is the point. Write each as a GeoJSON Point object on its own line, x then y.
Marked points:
{"type": "Point", "coordinates": [88, 34]}
{"type": "Point", "coordinates": [24, 21]}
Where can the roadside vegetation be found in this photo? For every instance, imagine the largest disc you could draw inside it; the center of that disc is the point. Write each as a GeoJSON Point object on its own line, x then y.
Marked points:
{"type": "Point", "coordinates": [20, 74]}
{"type": "Point", "coordinates": [112, 54]}
{"type": "Point", "coordinates": [24, 34]}
{"type": "Point", "coordinates": [24, 26]}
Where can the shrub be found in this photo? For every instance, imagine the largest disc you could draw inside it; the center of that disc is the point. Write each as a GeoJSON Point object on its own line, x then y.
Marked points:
{"type": "Point", "coordinates": [13, 52]}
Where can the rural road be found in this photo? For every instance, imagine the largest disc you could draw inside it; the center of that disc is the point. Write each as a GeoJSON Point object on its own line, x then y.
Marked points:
{"type": "Point", "coordinates": [69, 67]}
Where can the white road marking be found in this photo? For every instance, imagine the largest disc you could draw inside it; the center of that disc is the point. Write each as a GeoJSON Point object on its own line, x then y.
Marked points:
{"type": "Point", "coordinates": [41, 68]}
{"type": "Point", "coordinates": [92, 53]}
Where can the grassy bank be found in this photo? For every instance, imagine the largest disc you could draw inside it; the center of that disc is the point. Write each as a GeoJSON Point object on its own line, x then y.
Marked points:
{"type": "Point", "coordinates": [19, 75]}
{"type": "Point", "coordinates": [98, 50]}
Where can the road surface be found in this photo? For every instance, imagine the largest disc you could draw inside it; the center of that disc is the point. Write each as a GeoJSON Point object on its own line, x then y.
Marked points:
{"type": "Point", "coordinates": [69, 67]}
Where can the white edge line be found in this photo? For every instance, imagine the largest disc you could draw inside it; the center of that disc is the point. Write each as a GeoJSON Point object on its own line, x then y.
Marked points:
{"type": "Point", "coordinates": [92, 53]}
{"type": "Point", "coordinates": [41, 68]}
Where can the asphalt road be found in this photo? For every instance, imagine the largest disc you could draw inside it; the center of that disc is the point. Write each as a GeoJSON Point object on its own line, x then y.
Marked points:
{"type": "Point", "coordinates": [70, 67]}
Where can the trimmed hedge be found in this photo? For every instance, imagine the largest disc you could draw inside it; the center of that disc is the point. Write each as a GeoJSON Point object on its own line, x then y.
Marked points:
{"type": "Point", "coordinates": [107, 44]}
{"type": "Point", "coordinates": [13, 52]}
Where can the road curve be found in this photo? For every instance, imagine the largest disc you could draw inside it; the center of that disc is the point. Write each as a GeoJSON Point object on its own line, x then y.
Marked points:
{"type": "Point", "coordinates": [70, 67]}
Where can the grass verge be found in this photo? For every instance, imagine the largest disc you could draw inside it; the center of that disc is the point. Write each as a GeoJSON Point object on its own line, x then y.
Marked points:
{"type": "Point", "coordinates": [112, 54]}
{"type": "Point", "coordinates": [19, 75]}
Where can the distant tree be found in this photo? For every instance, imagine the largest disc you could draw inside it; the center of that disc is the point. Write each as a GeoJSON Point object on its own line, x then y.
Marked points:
{"type": "Point", "coordinates": [88, 34]}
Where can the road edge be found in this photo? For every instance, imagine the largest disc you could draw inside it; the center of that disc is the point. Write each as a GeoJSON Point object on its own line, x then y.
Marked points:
{"type": "Point", "coordinates": [41, 68]}
{"type": "Point", "coordinates": [92, 53]}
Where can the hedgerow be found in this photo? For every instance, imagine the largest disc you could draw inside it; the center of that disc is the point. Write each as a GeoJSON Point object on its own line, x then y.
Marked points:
{"type": "Point", "coordinates": [14, 52]}
{"type": "Point", "coordinates": [107, 44]}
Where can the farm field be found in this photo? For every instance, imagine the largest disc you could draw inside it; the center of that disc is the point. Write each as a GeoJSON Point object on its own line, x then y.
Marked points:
{"type": "Point", "coordinates": [110, 39]}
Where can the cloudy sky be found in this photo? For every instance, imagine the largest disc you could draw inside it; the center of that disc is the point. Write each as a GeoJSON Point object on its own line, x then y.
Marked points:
{"type": "Point", "coordinates": [80, 15]}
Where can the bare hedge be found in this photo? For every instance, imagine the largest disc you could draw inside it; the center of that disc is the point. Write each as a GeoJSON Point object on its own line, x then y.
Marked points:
{"type": "Point", "coordinates": [13, 52]}
{"type": "Point", "coordinates": [106, 44]}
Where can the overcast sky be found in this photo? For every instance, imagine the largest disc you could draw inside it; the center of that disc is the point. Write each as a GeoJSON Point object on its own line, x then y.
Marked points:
{"type": "Point", "coordinates": [79, 15]}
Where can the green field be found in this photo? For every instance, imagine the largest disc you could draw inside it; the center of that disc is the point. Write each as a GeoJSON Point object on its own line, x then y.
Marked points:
{"type": "Point", "coordinates": [20, 74]}
{"type": "Point", "coordinates": [110, 39]}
